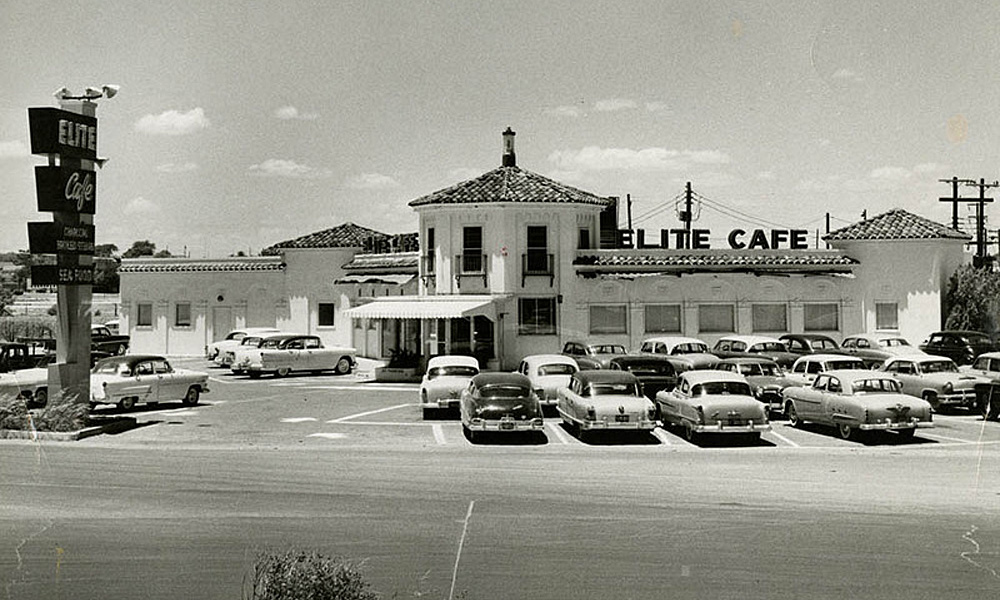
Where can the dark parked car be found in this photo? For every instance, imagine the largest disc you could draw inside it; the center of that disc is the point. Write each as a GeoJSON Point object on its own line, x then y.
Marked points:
{"type": "Point", "coordinates": [765, 377]}
{"type": "Point", "coordinates": [958, 345]}
{"type": "Point", "coordinates": [809, 343]}
{"type": "Point", "coordinates": [592, 356]}
{"type": "Point", "coordinates": [501, 402]}
{"type": "Point", "coordinates": [654, 373]}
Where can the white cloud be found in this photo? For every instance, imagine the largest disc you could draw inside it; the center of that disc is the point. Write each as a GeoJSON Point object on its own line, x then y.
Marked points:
{"type": "Point", "coordinates": [846, 74]}
{"type": "Point", "coordinates": [892, 174]}
{"type": "Point", "coordinates": [277, 167]}
{"type": "Point", "coordinates": [14, 149]}
{"type": "Point", "coordinates": [173, 122]}
{"type": "Point", "coordinates": [140, 206]}
{"type": "Point", "coordinates": [614, 104]}
{"type": "Point", "coordinates": [286, 113]}
{"type": "Point", "coordinates": [572, 112]}
{"type": "Point", "coordinates": [594, 158]}
{"type": "Point", "coordinates": [372, 181]}
{"type": "Point", "coordinates": [177, 167]}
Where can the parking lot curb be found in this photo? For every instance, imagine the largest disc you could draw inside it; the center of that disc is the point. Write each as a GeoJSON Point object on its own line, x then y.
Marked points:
{"type": "Point", "coordinates": [112, 425]}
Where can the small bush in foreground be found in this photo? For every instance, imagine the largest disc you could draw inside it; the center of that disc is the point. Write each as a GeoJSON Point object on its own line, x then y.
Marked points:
{"type": "Point", "coordinates": [57, 415]}
{"type": "Point", "coordinates": [299, 575]}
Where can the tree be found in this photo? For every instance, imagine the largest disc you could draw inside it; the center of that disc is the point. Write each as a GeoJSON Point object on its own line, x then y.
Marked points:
{"type": "Point", "coordinates": [107, 250]}
{"type": "Point", "coordinates": [140, 248]}
{"type": "Point", "coordinates": [972, 300]}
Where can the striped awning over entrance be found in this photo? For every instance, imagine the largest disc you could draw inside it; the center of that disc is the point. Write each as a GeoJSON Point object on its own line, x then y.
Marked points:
{"type": "Point", "coordinates": [425, 307]}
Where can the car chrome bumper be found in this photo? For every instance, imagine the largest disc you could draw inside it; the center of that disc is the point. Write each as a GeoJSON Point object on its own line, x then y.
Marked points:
{"type": "Point", "coordinates": [723, 428]}
{"type": "Point", "coordinates": [442, 403]}
{"type": "Point", "coordinates": [964, 398]}
{"type": "Point", "coordinates": [505, 426]}
{"type": "Point", "coordinates": [642, 425]}
{"type": "Point", "coordinates": [896, 425]}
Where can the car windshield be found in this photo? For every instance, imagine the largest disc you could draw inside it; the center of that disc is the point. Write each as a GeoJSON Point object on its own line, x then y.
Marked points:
{"type": "Point", "coordinates": [111, 367]}
{"type": "Point", "coordinates": [893, 342]}
{"type": "Point", "coordinates": [689, 348]}
{"type": "Point", "coordinates": [824, 345]}
{"type": "Point", "coordinates": [452, 371]}
{"type": "Point", "coordinates": [504, 391]}
{"type": "Point", "coordinates": [271, 343]}
{"type": "Point", "coordinates": [721, 387]}
{"type": "Point", "coordinates": [609, 349]}
{"type": "Point", "coordinates": [760, 370]}
{"type": "Point", "coordinates": [649, 368]}
{"type": "Point", "coordinates": [879, 385]}
{"type": "Point", "coordinates": [939, 366]}
{"type": "Point", "coordinates": [768, 347]}
{"type": "Point", "coordinates": [613, 389]}
{"type": "Point", "coordinates": [556, 369]}
{"type": "Point", "coordinates": [250, 341]}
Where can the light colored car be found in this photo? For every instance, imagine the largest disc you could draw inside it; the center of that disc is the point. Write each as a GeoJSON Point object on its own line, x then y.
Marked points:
{"type": "Point", "coordinates": [144, 378]}
{"type": "Point", "coordinates": [936, 379]}
{"type": "Point", "coordinates": [547, 373]}
{"type": "Point", "coordinates": [987, 366]}
{"type": "Point", "coordinates": [30, 384]}
{"type": "Point", "coordinates": [605, 400]}
{"type": "Point", "coordinates": [283, 354]}
{"type": "Point", "coordinates": [593, 355]}
{"type": "Point", "coordinates": [874, 349]}
{"type": "Point", "coordinates": [215, 351]}
{"type": "Point", "coordinates": [754, 346]}
{"type": "Point", "coordinates": [445, 379]}
{"type": "Point", "coordinates": [805, 368]}
{"type": "Point", "coordinates": [713, 402]}
{"type": "Point", "coordinates": [686, 353]}
{"type": "Point", "coordinates": [502, 402]}
{"type": "Point", "coordinates": [857, 401]}
{"type": "Point", "coordinates": [227, 354]}
{"type": "Point", "coordinates": [765, 377]}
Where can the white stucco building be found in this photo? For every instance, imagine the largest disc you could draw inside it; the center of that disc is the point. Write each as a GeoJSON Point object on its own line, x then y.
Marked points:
{"type": "Point", "coordinates": [512, 263]}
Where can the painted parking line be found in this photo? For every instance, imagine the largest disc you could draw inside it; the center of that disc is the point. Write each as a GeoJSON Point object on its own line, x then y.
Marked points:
{"type": "Point", "coordinates": [298, 419]}
{"type": "Point", "coordinates": [328, 436]}
{"type": "Point", "coordinates": [371, 412]}
{"type": "Point", "coordinates": [935, 436]}
{"type": "Point", "coordinates": [663, 436]}
{"type": "Point", "coordinates": [784, 439]}
{"type": "Point", "coordinates": [557, 431]}
{"type": "Point", "coordinates": [306, 385]}
{"type": "Point", "coordinates": [439, 434]}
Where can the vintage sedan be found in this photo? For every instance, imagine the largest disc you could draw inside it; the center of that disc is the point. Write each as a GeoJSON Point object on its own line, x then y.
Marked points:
{"type": "Point", "coordinates": [654, 373]}
{"type": "Point", "coordinates": [144, 378]}
{"type": "Point", "coordinates": [754, 346]}
{"type": "Point", "coordinates": [809, 343]}
{"type": "Point", "coordinates": [805, 369]}
{"type": "Point", "coordinates": [857, 401]}
{"type": "Point", "coordinates": [228, 355]}
{"type": "Point", "coordinates": [283, 354]}
{"type": "Point", "coordinates": [713, 402]}
{"type": "Point", "coordinates": [987, 366]}
{"type": "Point", "coordinates": [30, 385]}
{"type": "Point", "coordinates": [874, 349]}
{"type": "Point", "coordinates": [959, 345]}
{"type": "Point", "coordinates": [503, 402]}
{"type": "Point", "coordinates": [765, 377]}
{"type": "Point", "coordinates": [936, 379]}
{"type": "Point", "coordinates": [216, 351]}
{"type": "Point", "coordinates": [686, 353]}
{"type": "Point", "coordinates": [592, 356]}
{"type": "Point", "coordinates": [445, 379]}
{"type": "Point", "coordinates": [548, 373]}
{"type": "Point", "coordinates": [605, 400]}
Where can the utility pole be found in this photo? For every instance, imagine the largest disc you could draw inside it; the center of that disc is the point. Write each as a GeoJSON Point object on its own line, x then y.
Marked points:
{"type": "Point", "coordinates": [687, 216]}
{"type": "Point", "coordinates": [981, 218]}
{"type": "Point", "coordinates": [954, 181]}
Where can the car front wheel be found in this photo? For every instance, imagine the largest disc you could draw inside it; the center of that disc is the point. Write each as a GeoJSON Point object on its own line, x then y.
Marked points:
{"type": "Point", "coordinates": [847, 432]}
{"type": "Point", "coordinates": [192, 396]}
{"type": "Point", "coordinates": [793, 417]}
{"type": "Point", "coordinates": [343, 366]}
{"type": "Point", "coordinates": [126, 403]}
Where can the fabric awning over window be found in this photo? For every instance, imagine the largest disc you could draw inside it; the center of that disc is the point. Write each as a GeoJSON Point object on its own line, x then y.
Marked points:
{"type": "Point", "coordinates": [425, 307]}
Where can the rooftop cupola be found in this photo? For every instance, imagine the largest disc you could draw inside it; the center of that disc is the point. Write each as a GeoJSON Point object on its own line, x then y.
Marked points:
{"type": "Point", "coordinates": [509, 158]}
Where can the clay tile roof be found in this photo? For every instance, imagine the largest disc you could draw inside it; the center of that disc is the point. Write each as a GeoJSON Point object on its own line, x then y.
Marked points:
{"type": "Point", "coordinates": [897, 224]}
{"type": "Point", "coordinates": [510, 184]}
{"type": "Point", "coordinates": [401, 262]}
{"type": "Point", "coordinates": [177, 265]}
{"type": "Point", "coordinates": [347, 235]}
{"type": "Point", "coordinates": [674, 261]}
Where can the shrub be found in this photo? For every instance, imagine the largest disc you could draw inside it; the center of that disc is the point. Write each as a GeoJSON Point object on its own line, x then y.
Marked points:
{"type": "Point", "coordinates": [300, 575]}
{"type": "Point", "coordinates": [57, 415]}
{"type": "Point", "coordinates": [13, 412]}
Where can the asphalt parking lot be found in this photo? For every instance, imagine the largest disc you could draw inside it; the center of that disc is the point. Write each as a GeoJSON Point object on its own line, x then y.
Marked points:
{"type": "Point", "coordinates": [355, 410]}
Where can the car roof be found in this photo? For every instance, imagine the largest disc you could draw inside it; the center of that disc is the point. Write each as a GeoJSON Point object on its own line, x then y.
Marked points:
{"type": "Point", "coordinates": [605, 376]}
{"type": "Point", "coordinates": [806, 336]}
{"type": "Point", "coordinates": [747, 360]}
{"type": "Point", "coordinates": [548, 359]}
{"type": "Point", "coordinates": [674, 340]}
{"type": "Point", "coordinates": [918, 358]}
{"type": "Point", "coordinates": [493, 378]}
{"type": "Point", "coordinates": [627, 359]}
{"type": "Point", "coordinates": [288, 336]}
{"type": "Point", "coordinates": [749, 339]}
{"type": "Point", "coordinates": [453, 359]}
{"type": "Point", "coordinates": [130, 359]}
{"type": "Point", "coordinates": [823, 357]}
{"type": "Point", "coordinates": [851, 375]}
{"type": "Point", "coordinates": [701, 376]}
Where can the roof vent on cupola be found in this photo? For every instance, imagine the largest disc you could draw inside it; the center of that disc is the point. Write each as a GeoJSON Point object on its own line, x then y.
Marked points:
{"type": "Point", "coordinates": [509, 158]}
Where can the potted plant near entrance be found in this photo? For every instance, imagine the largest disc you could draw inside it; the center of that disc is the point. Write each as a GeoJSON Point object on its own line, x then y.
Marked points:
{"type": "Point", "coordinates": [403, 366]}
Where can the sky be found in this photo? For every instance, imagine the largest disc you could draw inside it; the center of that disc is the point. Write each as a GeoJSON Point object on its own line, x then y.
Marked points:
{"type": "Point", "coordinates": [242, 124]}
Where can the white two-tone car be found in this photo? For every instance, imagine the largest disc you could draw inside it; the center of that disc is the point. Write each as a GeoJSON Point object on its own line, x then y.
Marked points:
{"type": "Point", "coordinates": [548, 373]}
{"type": "Point", "coordinates": [604, 400]}
{"type": "Point", "coordinates": [216, 351]}
{"type": "Point", "coordinates": [446, 377]}
{"type": "Point", "coordinates": [713, 402]}
{"type": "Point", "coordinates": [284, 354]}
{"type": "Point", "coordinates": [144, 378]}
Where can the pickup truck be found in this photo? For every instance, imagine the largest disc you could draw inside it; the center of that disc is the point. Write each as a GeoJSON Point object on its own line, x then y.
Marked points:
{"type": "Point", "coordinates": [102, 340]}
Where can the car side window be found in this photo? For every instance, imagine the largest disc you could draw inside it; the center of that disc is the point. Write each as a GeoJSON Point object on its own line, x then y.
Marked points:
{"type": "Point", "coordinates": [161, 366]}
{"type": "Point", "coordinates": [994, 364]}
{"type": "Point", "coordinates": [144, 368]}
{"type": "Point", "coordinates": [863, 344]}
{"type": "Point", "coordinates": [834, 385]}
{"type": "Point", "coordinates": [820, 382]}
{"type": "Point", "coordinates": [795, 344]}
{"type": "Point", "coordinates": [814, 367]}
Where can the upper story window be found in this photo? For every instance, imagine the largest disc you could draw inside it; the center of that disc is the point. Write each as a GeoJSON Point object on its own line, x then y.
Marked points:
{"type": "Point", "coordinates": [583, 241]}
{"type": "Point", "coordinates": [182, 314]}
{"type": "Point", "coordinates": [537, 258]}
{"type": "Point", "coordinates": [429, 255]}
{"type": "Point", "coordinates": [886, 316]}
{"type": "Point", "coordinates": [472, 250]}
